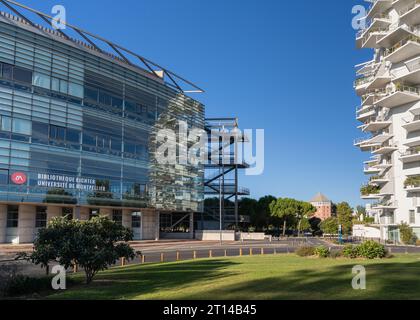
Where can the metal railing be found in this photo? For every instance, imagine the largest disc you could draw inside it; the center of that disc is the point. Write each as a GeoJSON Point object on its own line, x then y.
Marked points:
{"type": "Point", "coordinates": [408, 8]}
{"type": "Point", "coordinates": [401, 43]}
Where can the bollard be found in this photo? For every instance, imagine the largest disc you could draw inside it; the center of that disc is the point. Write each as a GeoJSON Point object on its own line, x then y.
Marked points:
{"type": "Point", "coordinates": [250, 252]}
{"type": "Point", "coordinates": [240, 252]}
{"type": "Point", "coordinates": [262, 251]}
{"type": "Point", "coordinates": [162, 257]}
{"type": "Point", "coordinates": [122, 262]}
{"type": "Point", "coordinates": [195, 255]}
{"type": "Point", "coordinates": [225, 253]}
{"type": "Point", "coordinates": [143, 258]}
{"type": "Point", "coordinates": [177, 256]}
{"type": "Point", "coordinates": [275, 251]}
{"type": "Point", "coordinates": [210, 254]}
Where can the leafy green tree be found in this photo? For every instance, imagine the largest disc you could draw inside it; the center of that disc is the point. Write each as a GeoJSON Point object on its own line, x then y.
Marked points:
{"type": "Point", "coordinates": [287, 209]}
{"type": "Point", "coordinates": [263, 216]}
{"type": "Point", "coordinates": [345, 217]}
{"type": "Point", "coordinates": [406, 234]}
{"type": "Point", "coordinates": [248, 207]}
{"type": "Point", "coordinates": [329, 226]}
{"type": "Point", "coordinates": [93, 245]}
{"type": "Point", "coordinates": [304, 225]}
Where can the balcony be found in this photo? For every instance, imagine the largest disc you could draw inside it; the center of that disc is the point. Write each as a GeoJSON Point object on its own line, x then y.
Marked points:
{"type": "Point", "coordinates": [384, 149]}
{"type": "Point", "coordinates": [385, 205]}
{"type": "Point", "coordinates": [412, 184]}
{"type": "Point", "coordinates": [361, 84]}
{"type": "Point", "coordinates": [378, 180]}
{"type": "Point", "coordinates": [400, 96]}
{"type": "Point", "coordinates": [370, 192]}
{"type": "Point", "coordinates": [378, 6]}
{"type": "Point", "coordinates": [413, 125]}
{"type": "Point", "coordinates": [370, 39]}
{"type": "Point", "coordinates": [410, 74]}
{"type": "Point", "coordinates": [379, 22]}
{"type": "Point", "coordinates": [394, 35]}
{"type": "Point", "coordinates": [364, 113]}
{"type": "Point", "coordinates": [411, 13]}
{"type": "Point", "coordinates": [403, 50]}
{"type": "Point", "coordinates": [411, 155]}
{"type": "Point", "coordinates": [376, 124]}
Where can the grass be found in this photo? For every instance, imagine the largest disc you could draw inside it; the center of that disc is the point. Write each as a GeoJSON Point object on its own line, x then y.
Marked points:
{"type": "Point", "coordinates": [256, 277]}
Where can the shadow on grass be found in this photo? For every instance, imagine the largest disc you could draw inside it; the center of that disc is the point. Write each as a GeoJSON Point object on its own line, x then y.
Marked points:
{"type": "Point", "coordinates": [396, 281]}
{"type": "Point", "coordinates": [132, 281]}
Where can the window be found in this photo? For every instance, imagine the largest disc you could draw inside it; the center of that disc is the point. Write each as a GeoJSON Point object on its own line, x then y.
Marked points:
{"type": "Point", "coordinates": [22, 126]}
{"type": "Point", "coordinates": [41, 217]}
{"type": "Point", "coordinates": [4, 177]}
{"type": "Point", "coordinates": [6, 124]}
{"type": "Point", "coordinates": [91, 94]}
{"type": "Point", "coordinates": [64, 86]}
{"type": "Point", "coordinates": [39, 132]}
{"type": "Point", "coordinates": [55, 84]}
{"type": "Point", "coordinates": [22, 75]}
{"type": "Point", "coordinates": [93, 213]}
{"type": "Point", "coordinates": [73, 136]}
{"type": "Point", "coordinates": [42, 80]}
{"type": "Point", "coordinates": [412, 217]}
{"type": "Point", "coordinates": [136, 220]}
{"type": "Point", "coordinates": [12, 216]}
{"type": "Point", "coordinates": [7, 71]}
{"type": "Point", "coordinates": [105, 98]}
{"type": "Point", "coordinates": [57, 133]}
{"type": "Point", "coordinates": [67, 213]}
{"type": "Point", "coordinates": [76, 90]}
{"type": "Point", "coordinates": [117, 216]}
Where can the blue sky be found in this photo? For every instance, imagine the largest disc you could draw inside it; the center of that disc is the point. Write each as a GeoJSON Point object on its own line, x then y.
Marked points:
{"type": "Point", "coordinates": [282, 66]}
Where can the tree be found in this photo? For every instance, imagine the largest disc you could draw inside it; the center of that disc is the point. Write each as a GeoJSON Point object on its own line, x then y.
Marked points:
{"type": "Point", "coordinates": [93, 245]}
{"type": "Point", "coordinates": [329, 226]}
{"type": "Point", "coordinates": [262, 216]}
{"type": "Point", "coordinates": [406, 234]}
{"type": "Point", "coordinates": [304, 225]}
{"type": "Point", "coordinates": [286, 208]}
{"type": "Point", "coordinates": [345, 217]}
{"type": "Point", "coordinates": [248, 207]}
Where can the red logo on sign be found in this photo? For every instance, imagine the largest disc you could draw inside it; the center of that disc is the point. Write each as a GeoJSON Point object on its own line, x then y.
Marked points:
{"type": "Point", "coordinates": [19, 178]}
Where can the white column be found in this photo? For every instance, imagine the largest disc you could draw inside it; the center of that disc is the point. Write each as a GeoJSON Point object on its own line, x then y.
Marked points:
{"type": "Point", "coordinates": [192, 225]}
{"type": "Point", "coordinates": [26, 225]}
{"type": "Point", "coordinates": [53, 212]}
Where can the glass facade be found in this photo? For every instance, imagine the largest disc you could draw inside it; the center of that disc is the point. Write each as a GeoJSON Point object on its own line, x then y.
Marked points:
{"type": "Point", "coordinates": [77, 128]}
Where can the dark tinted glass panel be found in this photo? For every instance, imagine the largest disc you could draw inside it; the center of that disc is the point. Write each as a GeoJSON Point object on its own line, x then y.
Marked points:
{"type": "Point", "coordinates": [39, 132]}
{"type": "Point", "coordinates": [7, 72]}
{"type": "Point", "coordinates": [22, 75]}
{"type": "Point", "coordinates": [73, 136]}
{"type": "Point", "coordinates": [91, 94]}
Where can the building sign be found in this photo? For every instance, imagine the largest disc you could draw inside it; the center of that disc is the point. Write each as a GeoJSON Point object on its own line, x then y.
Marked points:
{"type": "Point", "coordinates": [18, 178]}
{"type": "Point", "coordinates": [68, 182]}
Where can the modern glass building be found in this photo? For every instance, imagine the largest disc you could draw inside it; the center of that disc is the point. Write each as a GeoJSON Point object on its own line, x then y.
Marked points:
{"type": "Point", "coordinates": [78, 137]}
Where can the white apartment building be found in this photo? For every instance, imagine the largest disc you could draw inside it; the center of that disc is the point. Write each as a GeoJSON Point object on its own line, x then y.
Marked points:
{"type": "Point", "coordinates": [389, 87]}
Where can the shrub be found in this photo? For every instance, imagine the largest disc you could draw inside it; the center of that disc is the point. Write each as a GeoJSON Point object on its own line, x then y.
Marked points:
{"type": "Point", "coordinates": [322, 252]}
{"type": "Point", "coordinates": [21, 285]}
{"type": "Point", "coordinates": [406, 233]}
{"type": "Point", "coordinates": [351, 251]}
{"type": "Point", "coordinates": [305, 251]}
{"type": "Point", "coordinates": [371, 250]}
{"type": "Point", "coordinates": [336, 254]}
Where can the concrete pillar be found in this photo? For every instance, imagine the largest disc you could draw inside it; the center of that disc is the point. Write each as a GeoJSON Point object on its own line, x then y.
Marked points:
{"type": "Point", "coordinates": [53, 212]}
{"type": "Point", "coordinates": [157, 224]}
{"type": "Point", "coordinates": [191, 225]}
{"type": "Point", "coordinates": [126, 218]}
{"type": "Point", "coordinates": [84, 213]}
{"type": "Point", "coordinates": [26, 228]}
{"type": "Point", "coordinates": [3, 223]}
{"type": "Point", "coordinates": [106, 212]}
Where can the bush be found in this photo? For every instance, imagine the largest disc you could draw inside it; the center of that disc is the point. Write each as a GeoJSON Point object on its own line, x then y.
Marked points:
{"type": "Point", "coordinates": [406, 234]}
{"type": "Point", "coordinates": [21, 285]}
{"type": "Point", "coordinates": [371, 250]}
{"type": "Point", "coordinates": [336, 254]}
{"type": "Point", "coordinates": [305, 251]}
{"type": "Point", "coordinates": [351, 251]}
{"type": "Point", "coordinates": [322, 252]}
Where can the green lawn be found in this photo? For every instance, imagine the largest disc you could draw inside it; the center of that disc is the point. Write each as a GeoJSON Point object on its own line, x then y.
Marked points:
{"type": "Point", "coordinates": [256, 277]}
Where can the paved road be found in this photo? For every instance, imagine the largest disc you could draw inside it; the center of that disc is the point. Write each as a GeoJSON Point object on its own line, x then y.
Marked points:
{"type": "Point", "coordinates": [185, 250]}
